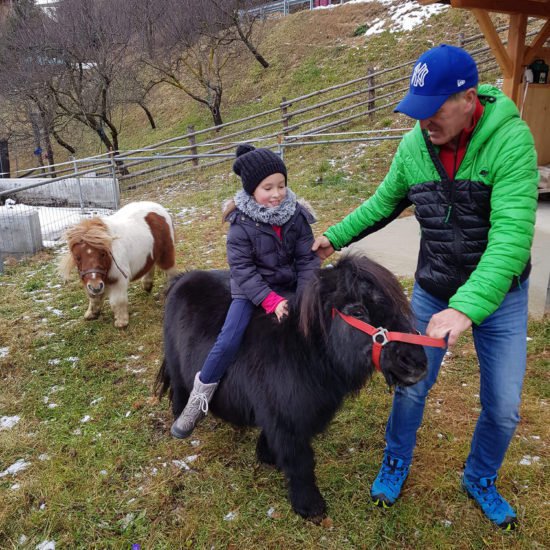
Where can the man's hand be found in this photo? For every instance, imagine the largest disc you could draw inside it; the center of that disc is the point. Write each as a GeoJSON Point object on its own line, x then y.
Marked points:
{"type": "Point", "coordinates": [449, 322]}
{"type": "Point", "coordinates": [281, 310]}
{"type": "Point", "coordinates": [322, 246]}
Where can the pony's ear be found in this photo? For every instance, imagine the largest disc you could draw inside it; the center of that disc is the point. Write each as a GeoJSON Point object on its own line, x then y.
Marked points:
{"type": "Point", "coordinates": [66, 265]}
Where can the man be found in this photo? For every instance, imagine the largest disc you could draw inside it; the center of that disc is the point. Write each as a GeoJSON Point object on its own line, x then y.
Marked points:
{"type": "Point", "coordinates": [469, 167]}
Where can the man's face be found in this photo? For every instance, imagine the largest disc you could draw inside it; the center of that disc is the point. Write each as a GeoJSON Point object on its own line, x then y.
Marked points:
{"type": "Point", "coordinates": [453, 116]}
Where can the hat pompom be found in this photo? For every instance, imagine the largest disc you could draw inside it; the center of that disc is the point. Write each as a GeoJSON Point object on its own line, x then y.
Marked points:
{"type": "Point", "coordinates": [244, 148]}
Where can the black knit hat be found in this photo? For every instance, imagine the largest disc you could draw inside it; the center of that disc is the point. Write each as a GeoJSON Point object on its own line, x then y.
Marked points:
{"type": "Point", "coordinates": [254, 165]}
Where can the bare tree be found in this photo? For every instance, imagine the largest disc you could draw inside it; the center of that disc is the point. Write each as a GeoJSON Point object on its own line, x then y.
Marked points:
{"type": "Point", "coordinates": [240, 22]}
{"type": "Point", "coordinates": [190, 43]}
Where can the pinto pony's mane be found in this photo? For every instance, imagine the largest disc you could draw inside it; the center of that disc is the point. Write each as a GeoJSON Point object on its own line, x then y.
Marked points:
{"type": "Point", "coordinates": [93, 232]}
{"type": "Point", "coordinates": [346, 282]}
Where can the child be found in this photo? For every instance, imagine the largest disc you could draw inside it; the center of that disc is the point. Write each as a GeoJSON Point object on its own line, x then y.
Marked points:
{"type": "Point", "coordinates": [268, 251]}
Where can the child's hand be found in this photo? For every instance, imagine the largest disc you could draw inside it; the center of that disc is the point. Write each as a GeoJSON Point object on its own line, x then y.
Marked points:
{"type": "Point", "coordinates": [322, 247]}
{"type": "Point", "coordinates": [281, 310]}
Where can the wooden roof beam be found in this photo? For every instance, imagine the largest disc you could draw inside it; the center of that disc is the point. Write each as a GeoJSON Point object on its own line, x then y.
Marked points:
{"type": "Point", "coordinates": [536, 47]}
{"type": "Point", "coordinates": [494, 41]}
{"type": "Point", "coordinates": [531, 8]}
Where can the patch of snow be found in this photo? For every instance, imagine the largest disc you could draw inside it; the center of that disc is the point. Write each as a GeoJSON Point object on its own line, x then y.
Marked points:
{"type": "Point", "coordinates": [529, 460]}
{"type": "Point", "coordinates": [230, 516]}
{"type": "Point", "coordinates": [44, 457]}
{"type": "Point", "coordinates": [46, 545]}
{"type": "Point", "coordinates": [403, 16]}
{"type": "Point", "coordinates": [8, 422]}
{"type": "Point", "coordinates": [4, 352]}
{"type": "Point", "coordinates": [128, 518]}
{"type": "Point", "coordinates": [181, 464]}
{"type": "Point", "coordinates": [270, 512]}
{"type": "Point", "coordinates": [15, 468]}
{"type": "Point", "coordinates": [15, 486]}
{"type": "Point", "coordinates": [85, 419]}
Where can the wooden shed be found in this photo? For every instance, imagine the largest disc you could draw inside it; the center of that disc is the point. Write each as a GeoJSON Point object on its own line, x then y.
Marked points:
{"type": "Point", "coordinates": [533, 99]}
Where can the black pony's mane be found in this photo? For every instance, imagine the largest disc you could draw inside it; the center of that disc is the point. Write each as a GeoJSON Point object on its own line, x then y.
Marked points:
{"type": "Point", "coordinates": [344, 282]}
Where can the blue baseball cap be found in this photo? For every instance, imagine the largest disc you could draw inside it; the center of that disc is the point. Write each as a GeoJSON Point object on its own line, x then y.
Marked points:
{"type": "Point", "coordinates": [438, 74]}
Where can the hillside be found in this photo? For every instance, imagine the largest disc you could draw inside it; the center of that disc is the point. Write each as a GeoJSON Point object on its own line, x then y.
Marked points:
{"type": "Point", "coordinates": [307, 50]}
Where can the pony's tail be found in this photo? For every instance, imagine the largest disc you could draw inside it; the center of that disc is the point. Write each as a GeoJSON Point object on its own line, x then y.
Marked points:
{"type": "Point", "coordinates": [66, 265]}
{"type": "Point", "coordinates": [162, 381]}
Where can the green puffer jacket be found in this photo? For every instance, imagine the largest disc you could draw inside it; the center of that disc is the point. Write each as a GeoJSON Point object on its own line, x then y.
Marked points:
{"type": "Point", "coordinates": [476, 230]}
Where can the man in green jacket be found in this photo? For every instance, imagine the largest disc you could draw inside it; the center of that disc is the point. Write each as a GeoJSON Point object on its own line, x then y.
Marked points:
{"type": "Point", "coordinates": [469, 168]}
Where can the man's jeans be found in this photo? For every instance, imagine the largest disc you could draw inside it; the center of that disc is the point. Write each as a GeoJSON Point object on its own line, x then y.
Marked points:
{"type": "Point", "coordinates": [501, 345]}
{"type": "Point", "coordinates": [228, 342]}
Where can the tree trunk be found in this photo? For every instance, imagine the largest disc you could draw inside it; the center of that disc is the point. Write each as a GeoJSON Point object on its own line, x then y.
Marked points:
{"type": "Point", "coordinates": [149, 115]}
{"type": "Point", "coordinates": [63, 143]}
{"type": "Point", "coordinates": [259, 57]}
{"type": "Point", "coordinates": [4, 159]}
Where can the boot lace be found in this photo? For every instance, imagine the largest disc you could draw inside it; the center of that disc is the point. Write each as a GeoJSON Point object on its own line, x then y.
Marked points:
{"type": "Point", "coordinates": [202, 399]}
{"type": "Point", "coordinates": [392, 475]}
{"type": "Point", "coordinates": [490, 497]}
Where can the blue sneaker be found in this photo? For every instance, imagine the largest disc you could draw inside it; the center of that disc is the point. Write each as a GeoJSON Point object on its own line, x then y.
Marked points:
{"type": "Point", "coordinates": [387, 485]}
{"type": "Point", "coordinates": [491, 502]}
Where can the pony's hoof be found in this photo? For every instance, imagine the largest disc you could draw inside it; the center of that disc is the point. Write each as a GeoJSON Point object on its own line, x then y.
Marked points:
{"type": "Point", "coordinates": [121, 324]}
{"type": "Point", "coordinates": [311, 506]}
{"type": "Point", "coordinates": [91, 316]}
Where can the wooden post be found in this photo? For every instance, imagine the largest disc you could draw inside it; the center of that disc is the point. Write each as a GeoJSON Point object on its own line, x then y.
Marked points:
{"type": "Point", "coordinates": [460, 39]}
{"type": "Point", "coordinates": [192, 141]}
{"type": "Point", "coordinates": [516, 49]}
{"type": "Point", "coordinates": [284, 115]}
{"type": "Point", "coordinates": [372, 95]}
{"type": "Point", "coordinates": [547, 305]}
{"type": "Point", "coordinates": [4, 159]}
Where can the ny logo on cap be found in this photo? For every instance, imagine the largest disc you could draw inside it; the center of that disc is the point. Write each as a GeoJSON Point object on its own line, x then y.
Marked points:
{"type": "Point", "coordinates": [419, 74]}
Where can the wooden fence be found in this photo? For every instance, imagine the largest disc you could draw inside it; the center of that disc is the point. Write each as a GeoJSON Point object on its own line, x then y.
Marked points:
{"type": "Point", "coordinates": [341, 106]}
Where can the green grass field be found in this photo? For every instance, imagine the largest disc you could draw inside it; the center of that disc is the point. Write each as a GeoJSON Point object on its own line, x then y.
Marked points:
{"type": "Point", "coordinates": [103, 472]}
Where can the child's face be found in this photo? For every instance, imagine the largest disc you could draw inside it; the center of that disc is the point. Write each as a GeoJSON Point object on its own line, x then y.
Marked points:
{"type": "Point", "coordinates": [271, 191]}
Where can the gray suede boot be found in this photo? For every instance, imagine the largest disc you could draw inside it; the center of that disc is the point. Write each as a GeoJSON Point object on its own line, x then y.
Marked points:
{"type": "Point", "coordinates": [195, 410]}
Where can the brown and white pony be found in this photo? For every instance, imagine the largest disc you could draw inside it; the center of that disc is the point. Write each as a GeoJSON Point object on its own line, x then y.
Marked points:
{"type": "Point", "coordinates": [111, 251]}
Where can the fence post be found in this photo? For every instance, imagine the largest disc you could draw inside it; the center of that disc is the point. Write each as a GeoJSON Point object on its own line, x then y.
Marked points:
{"type": "Point", "coordinates": [280, 139]}
{"type": "Point", "coordinates": [116, 191]}
{"type": "Point", "coordinates": [372, 95]}
{"type": "Point", "coordinates": [460, 39]}
{"type": "Point", "coordinates": [80, 197]}
{"type": "Point", "coordinates": [193, 141]}
{"type": "Point", "coordinates": [284, 116]}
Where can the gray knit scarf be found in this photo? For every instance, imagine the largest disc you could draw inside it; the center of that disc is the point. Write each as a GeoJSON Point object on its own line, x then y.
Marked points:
{"type": "Point", "coordinates": [273, 216]}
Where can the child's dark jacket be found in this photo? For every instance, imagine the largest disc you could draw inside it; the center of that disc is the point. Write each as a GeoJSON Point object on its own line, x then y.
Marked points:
{"type": "Point", "coordinates": [260, 262]}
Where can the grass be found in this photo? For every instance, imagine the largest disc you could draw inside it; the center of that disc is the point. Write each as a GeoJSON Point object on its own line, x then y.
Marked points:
{"type": "Point", "coordinates": [101, 468]}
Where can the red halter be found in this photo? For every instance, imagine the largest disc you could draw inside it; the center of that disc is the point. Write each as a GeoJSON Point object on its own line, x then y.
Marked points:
{"type": "Point", "coordinates": [381, 336]}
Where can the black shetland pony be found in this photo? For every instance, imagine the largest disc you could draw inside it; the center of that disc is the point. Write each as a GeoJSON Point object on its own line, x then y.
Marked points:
{"type": "Point", "coordinates": [290, 378]}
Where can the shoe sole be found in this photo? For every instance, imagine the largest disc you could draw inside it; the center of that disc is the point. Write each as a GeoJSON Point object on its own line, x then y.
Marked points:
{"type": "Point", "coordinates": [505, 525]}
{"type": "Point", "coordinates": [381, 503]}
{"type": "Point", "coordinates": [178, 434]}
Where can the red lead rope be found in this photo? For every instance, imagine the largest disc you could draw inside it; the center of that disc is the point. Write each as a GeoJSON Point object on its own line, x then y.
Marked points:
{"type": "Point", "coordinates": [381, 336]}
